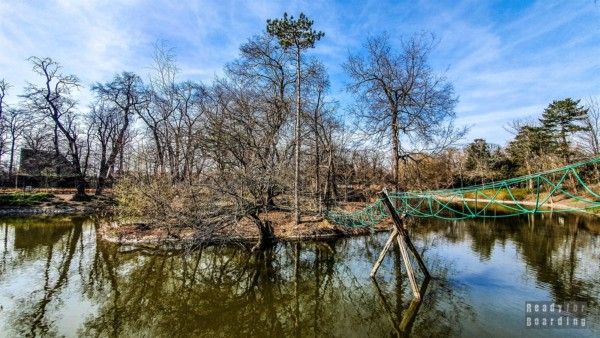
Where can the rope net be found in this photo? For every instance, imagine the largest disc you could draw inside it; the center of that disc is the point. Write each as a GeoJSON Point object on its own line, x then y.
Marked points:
{"type": "Point", "coordinates": [537, 193]}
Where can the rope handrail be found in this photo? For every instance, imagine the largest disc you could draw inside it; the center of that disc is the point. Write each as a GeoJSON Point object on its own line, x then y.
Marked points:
{"type": "Point", "coordinates": [484, 200]}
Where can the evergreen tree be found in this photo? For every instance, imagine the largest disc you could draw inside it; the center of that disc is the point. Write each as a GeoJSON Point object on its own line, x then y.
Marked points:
{"type": "Point", "coordinates": [295, 35]}
{"type": "Point", "coordinates": [530, 143]}
{"type": "Point", "coordinates": [527, 149]}
{"type": "Point", "coordinates": [560, 120]}
{"type": "Point", "coordinates": [478, 155]}
{"type": "Point", "coordinates": [486, 162]}
{"type": "Point", "coordinates": [479, 161]}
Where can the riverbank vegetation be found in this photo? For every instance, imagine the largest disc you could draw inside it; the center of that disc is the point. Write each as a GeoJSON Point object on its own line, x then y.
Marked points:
{"type": "Point", "coordinates": [267, 138]}
{"type": "Point", "coordinates": [51, 202]}
{"type": "Point", "coordinates": [23, 198]}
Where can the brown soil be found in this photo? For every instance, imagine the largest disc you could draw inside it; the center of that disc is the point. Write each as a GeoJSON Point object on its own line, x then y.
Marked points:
{"type": "Point", "coordinates": [60, 203]}
{"type": "Point", "coordinates": [311, 227]}
{"type": "Point", "coordinates": [57, 191]}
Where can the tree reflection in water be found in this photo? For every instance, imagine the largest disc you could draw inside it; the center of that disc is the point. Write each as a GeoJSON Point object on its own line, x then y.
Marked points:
{"type": "Point", "coordinates": [59, 241]}
{"type": "Point", "coordinates": [293, 289]}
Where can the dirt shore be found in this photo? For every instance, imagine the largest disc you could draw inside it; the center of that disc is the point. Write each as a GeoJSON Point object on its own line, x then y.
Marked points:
{"type": "Point", "coordinates": [139, 234]}
{"type": "Point", "coordinates": [59, 204]}
{"type": "Point", "coordinates": [311, 227]}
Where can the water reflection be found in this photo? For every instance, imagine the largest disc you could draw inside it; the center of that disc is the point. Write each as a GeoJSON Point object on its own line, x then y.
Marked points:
{"type": "Point", "coordinates": [57, 279]}
{"type": "Point", "coordinates": [402, 325]}
{"type": "Point", "coordinates": [560, 252]}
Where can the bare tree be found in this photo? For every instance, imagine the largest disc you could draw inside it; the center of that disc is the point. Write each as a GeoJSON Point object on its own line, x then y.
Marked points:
{"type": "Point", "coordinates": [590, 137]}
{"type": "Point", "coordinates": [402, 99]}
{"type": "Point", "coordinates": [125, 97]}
{"type": "Point", "coordinates": [37, 136]}
{"type": "Point", "coordinates": [17, 121]}
{"type": "Point", "coordinates": [162, 100]}
{"type": "Point", "coordinates": [184, 127]}
{"type": "Point", "coordinates": [264, 69]}
{"type": "Point", "coordinates": [317, 85]}
{"type": "Point", "coordinates": [53, 100]}
{"type": "Point", "coordinates": [238, 142]}
{"type": "Point", "coordinates": [173, 117]}
{"type": "Point", "coordinates": [104, 122]}
{"type": "Point", "coordinates": [4, 86]}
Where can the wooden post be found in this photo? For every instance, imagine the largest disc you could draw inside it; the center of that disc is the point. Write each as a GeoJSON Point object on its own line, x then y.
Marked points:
{"type": "Point", "coordinates": [409, 268]}
{"type": "Point", "coordinates": [410, 315]}
{"type": "Point", "coordinates": [401, 235]}
{"type": "Point", "coordinates": [399, 226]}
{"type": "Point", "coordinates": [417, 255]}
{"type": "Point", "coordinates": [388, 308]}
{"type": "Point", "coordinates": [387, 246]}
{"type": "Point", "coordinates": [402, 325]}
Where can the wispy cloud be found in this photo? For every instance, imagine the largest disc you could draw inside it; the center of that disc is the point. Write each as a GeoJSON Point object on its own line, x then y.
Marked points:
{"type": "Point", "coordinates": [507, 60]}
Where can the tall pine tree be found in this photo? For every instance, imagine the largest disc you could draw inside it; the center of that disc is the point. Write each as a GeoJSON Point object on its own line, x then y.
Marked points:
{"type": "Point", "coordinates": [560, 120]}
{"type": "Point", "coordinates": [295, 35]}
{"type": "Point", "coordinates": [527, 149]}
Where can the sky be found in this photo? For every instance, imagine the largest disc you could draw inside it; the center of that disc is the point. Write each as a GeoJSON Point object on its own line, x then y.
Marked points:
{"type": "Point", "coordinates": [507, 59]}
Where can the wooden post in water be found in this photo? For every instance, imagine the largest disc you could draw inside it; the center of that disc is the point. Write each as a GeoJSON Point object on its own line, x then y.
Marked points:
{"type": "Point", "coordinates": [400, 234]}
{"type": "Point", "coordinates": [386, 247]}
{"type": "Point", "coordinates": [402, 325]}
{"type": "Point", "coordinates": [409, 268]}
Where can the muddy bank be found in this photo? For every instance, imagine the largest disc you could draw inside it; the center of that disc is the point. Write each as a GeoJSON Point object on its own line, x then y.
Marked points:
{"type": "Point", "coordinates": [30, 211]}
{"type": "Point", "coordinates": [59, 204]}
{"type": "Point", "coordinates": [311, 228]}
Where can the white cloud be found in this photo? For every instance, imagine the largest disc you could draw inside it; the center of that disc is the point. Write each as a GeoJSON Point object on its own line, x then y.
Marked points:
{"type": "Point", "coordinates": [503, 65]}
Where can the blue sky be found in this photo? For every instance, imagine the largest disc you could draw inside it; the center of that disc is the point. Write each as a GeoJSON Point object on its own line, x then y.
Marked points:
{"type": "Point", "coordinates": [507, 59]}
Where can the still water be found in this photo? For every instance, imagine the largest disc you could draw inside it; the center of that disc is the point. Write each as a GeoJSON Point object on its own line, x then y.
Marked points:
{"type": "Point", "coordinates": [58, 279]}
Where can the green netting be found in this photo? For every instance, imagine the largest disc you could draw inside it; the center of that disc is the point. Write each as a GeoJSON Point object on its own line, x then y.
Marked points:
{"type": "Point", "coordinates": [536, 193]}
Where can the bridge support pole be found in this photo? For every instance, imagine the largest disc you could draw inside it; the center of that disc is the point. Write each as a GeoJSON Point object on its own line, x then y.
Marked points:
{"type": "Point", "coordinates": [386, 247]}
{"type": "Point", "coordinates": [400, 234]}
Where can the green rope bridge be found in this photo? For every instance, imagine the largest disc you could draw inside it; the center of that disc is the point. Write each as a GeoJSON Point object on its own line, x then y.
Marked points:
{"type": "Point", "coordinates": [531, 194]}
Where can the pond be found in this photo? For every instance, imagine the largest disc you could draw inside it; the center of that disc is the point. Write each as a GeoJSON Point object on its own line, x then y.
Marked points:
{"type": "Point", "coordinates": [58, 279]}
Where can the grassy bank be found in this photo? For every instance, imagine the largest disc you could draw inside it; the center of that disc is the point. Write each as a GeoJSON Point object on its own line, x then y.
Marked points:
{"type": "Point", "coordinates": [24, 199]}
{"type": "Point", "coordinates": [19, 203]}
{"type": "Point", "coordinates": [519, 194]}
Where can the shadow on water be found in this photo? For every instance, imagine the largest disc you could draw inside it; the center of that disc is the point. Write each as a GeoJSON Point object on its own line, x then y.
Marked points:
{"type": "Point", "coordinates": [56, 278]}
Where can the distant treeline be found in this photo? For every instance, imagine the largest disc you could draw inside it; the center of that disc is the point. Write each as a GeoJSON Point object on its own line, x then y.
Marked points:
{"type": "Point", "coordinates": [567, 131]}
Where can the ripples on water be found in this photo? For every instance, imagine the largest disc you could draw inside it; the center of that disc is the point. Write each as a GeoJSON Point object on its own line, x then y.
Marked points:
{"type": "Point", "coordinates": [57, 279]}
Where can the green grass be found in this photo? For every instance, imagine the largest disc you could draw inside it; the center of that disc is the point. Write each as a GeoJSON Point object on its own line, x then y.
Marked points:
{"type": "Point", "coordinates": [518, 193]}
{"type": "Point", "coordinates": [19, 199]}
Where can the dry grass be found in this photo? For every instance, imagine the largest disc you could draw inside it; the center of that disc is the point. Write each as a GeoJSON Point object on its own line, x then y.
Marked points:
{"type": "Point", "coordinates": [310, 227]}
{"type": "Point", "coordinates": [519, 194]}
{"type": "Point", "coordinates": [55, 191]}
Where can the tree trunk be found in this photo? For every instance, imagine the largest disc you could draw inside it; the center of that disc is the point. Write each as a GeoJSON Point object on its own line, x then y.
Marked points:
{"type": "Point", "coordinates": [80, 180]}
{"type": "Point", "coordinates": [121, 161]}
{"type": "Point", "coordinates": [271, 198]}
{"type": "Point", "coordinates": [80, 185]}
{"type": "Point", "coordinates": [297, 139]}
{"type": "Point", "coordinates": [55, 142]}
{"type": "Point", "coordinates": [566, 148]}
{"type": "Point", "coordinates": [395, 150]}
{"type": "Point", "coordinates": [334, 186]}
{"type": "Point", "coordinates": [328, 181]}
{"type": "Point", "coordinates": [102, 171]}
{"type": "Point", "coordinates": [159, 151]}
{"type": "Point", "coordinates": [12, 156]}
{"type": "Point", "coordinates": [318, 200]}
{"type": "Point", "coordinates": [117, 147]}
{"type": "Point", "coordinates": [528, 168]}
{"type": "Point", "coordinates": [265, 230]}
{"type": "Point", "coordinates": [100, 184]}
